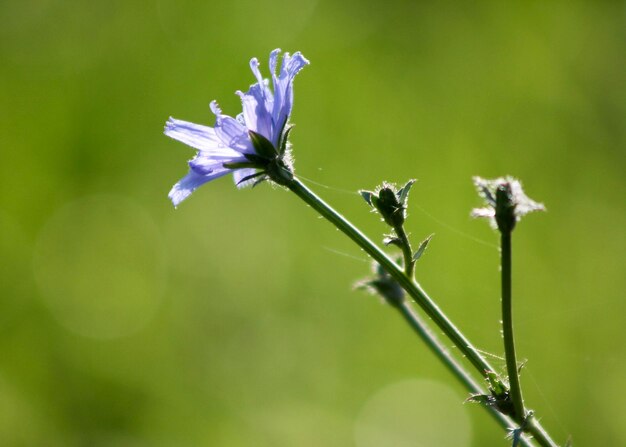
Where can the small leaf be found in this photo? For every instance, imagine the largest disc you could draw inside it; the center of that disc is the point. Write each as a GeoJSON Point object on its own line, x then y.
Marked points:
{"type": "Point", "coordinates": [420, 250]}
{"type": "Point", "coordinates": [484, 189]}
{"type": "Point", "coordinates": [483, 399]}
{"type": "Point", "coordinates": [367, 196]}
{"type": "Point", "coordinates": [496, 385]}
{"type": "Point", "coordinates": [392, 240]}
{"type": "Point", "coordinates": [403, 193]}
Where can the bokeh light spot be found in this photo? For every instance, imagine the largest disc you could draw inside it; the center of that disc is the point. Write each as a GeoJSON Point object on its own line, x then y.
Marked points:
{"type": "Point", "coordinates": [414, 413]}
{"type": "Point", "coordinates": [100, 267]}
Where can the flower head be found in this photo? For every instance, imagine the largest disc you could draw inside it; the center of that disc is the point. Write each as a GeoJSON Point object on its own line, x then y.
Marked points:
{"type": "Point", "coordinates": [254, 145]}
{"type": "Point", "coordinates": [506, 202]}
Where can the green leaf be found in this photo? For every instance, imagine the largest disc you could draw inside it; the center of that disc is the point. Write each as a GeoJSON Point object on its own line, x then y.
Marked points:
{"type": "Point", "coordinates": [367, 196]}
{"type": "Point", "coordinates": [403, 193]}
{"type": "Point", "coordinates": [483, 399]}
{"type": "Point", "coordinates": [420, 250]}
{"type": "Point", "coordinates": [392, 240]}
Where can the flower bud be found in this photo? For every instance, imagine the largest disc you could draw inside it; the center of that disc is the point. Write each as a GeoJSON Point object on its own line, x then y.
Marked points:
{"type": "Point", "coordinates": [389, 202]}
{"type": "Point", "coordinates": [382, 284]}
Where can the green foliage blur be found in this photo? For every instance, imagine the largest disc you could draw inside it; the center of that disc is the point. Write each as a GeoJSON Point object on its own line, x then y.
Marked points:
{"type": "Point", "coordinates": [231, 321]}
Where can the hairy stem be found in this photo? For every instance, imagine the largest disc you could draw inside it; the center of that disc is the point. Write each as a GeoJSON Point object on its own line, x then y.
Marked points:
{"type": "Point", "coordinates": [507, 327]}
{"type": "Point", "coordinates": [410, 286]}
{"type": "Point", "coordinates": [436, 346]}
{"type": "Point", "coordinates": [532, 426]}
{"type": "Point", "coordinates": [443, 353]}
{"type": "Point", "coordinates": [407, 251]}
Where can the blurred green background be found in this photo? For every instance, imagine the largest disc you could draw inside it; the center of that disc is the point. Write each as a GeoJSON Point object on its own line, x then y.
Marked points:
{"type": "Point", "coordinates": [231, 321]}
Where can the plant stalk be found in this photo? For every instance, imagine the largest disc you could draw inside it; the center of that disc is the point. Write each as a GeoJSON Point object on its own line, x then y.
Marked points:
{"type": "Point", "coordinates": [411, 287]}
{"type": "Point", "coordinates": [439, 349]}
{"type": "Point", "coordinates": [407, 251]}
{"type": "Point", "coordinates": [533, 426]}
{"type": "Point", "coordinates": [446, 357]}
{"type": "Point", "coordinates": [515, 389]}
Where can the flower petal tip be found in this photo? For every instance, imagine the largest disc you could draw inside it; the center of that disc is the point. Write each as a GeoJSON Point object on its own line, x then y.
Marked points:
{"type": "Point", "coordinates": [168, 125]}
{"type": "Point", "coordinates": [177, 195]}
{"type": "Point", "coordinates": [215, 108]}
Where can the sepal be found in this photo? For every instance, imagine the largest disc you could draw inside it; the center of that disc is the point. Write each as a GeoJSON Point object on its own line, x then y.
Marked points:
{"type": "Point", "coordinates": [283, 144]}
{"type": "Point", "coordinates": [367, 196]}
{"type": "Point", "coordinates": [262, 145]}
{"type": "Point", "coordinates": [392, 240]}
{"type": "Point", "coordinates": [258, 161]}
{"type": "Point", "coordinates": [253, 176]}
{"type": "Point", "coordinates": [240, 165]}
{"type": "Point", "coordinates": [403, 193]}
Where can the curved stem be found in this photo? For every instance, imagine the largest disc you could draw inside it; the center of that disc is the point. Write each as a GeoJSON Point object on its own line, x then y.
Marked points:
{"type": "Point", "coordinates": [507, 327]}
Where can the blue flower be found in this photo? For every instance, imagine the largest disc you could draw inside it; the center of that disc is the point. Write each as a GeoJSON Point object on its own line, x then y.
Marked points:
{"type": "Point", "coordinates": [252, 146]}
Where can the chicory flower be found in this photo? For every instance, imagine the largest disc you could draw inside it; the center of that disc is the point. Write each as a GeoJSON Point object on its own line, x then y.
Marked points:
{"type": "Point", "coordinates": [254, 145]}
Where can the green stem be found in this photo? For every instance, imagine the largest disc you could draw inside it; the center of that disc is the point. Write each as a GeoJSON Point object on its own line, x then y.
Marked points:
{"type": "Point", "coordinates": [515, 388]}
{"type": "Point", "coordinates": [431, 340]}
{"type": "Point", "coordinates": [540, 434]}
{"type": "Point", "coordinates": [507, 328]}
{"type": "Point", "coordinates": [408, 284]}
{"type": "Point", "coordinates": [443, 354]}
{"type": "Point", "coordinates": [407, 251]}
{"type": "Point", "coordinates": [435, 345]}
